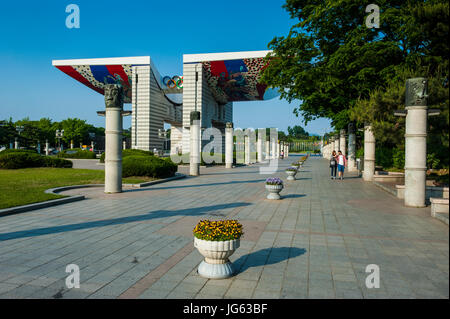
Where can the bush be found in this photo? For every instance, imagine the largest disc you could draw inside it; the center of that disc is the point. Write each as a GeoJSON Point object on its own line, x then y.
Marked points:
{"type": "Point", "coordinates": [77, 153]}
{"type": "Point", "coordinates": [384, 157]}
{"type": "Point", "coordinates": [151, 166]}
{"type": "Point", "coordinates": [57, 162]}
{"type": "Point", "coordinates": [398, 158]}
{"type": "Point", "coordinates": [432, 161]}
{"type": "Point", "coordinates": [16, 160]}
{"type": "Point", "coordinates": [129, 152]}
{"type": "Point", "coordinates": [12, 150]}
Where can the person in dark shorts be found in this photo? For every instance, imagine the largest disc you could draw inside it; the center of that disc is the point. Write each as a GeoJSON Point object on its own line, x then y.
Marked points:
{"type": "Point", "coordinates": [333, 165]}
{"type": "Point", "coordinates": [341, 164]}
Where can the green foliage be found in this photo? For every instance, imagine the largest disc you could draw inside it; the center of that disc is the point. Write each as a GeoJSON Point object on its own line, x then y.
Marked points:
{"type": "Point", "coordinates": [129, 152]}
{"type": "Point", "coordinates": [330, 62]}
{"type": "Point", "coordinates": [398, 158]}
{"type": "Point", "coordinates": [432, 161]}
{"type": "Point", "coordinates": [77, 153]}
{"type": "Point", "coordinates": [151, 166]}
{"type": "Point", "coordinates": [297, 132]}
{"type": "Point", "coordinates": [12, 150]}
{"type": "Point", "coordinates": [21, 159]}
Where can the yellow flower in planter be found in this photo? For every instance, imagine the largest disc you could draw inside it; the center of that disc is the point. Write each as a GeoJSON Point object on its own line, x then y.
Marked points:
{"type": "Point", "coordinates": [220, 230]}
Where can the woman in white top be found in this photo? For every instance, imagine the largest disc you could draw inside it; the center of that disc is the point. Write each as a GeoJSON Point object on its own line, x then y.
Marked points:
{"type": "Point", "coordinates": [342, 163]}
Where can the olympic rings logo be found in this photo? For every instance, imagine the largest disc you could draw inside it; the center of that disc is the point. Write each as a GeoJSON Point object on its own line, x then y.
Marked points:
{"type": "Point", "coordinates": [174, 82]}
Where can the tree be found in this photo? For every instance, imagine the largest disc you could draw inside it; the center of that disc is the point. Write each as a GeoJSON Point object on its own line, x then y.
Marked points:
{"type": "Point", "coordinates": [297, 132]}
{"type": "Point", "coordinates": [75, 130]}
{"type": "Point", "coordinates": [330, 59]}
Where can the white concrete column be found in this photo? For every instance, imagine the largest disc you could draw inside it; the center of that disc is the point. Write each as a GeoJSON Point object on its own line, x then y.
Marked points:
{"type": "Point", "coordinates": [267, 150]}
{"type": "Point", "coordinates": [342, 143]}
{"type": "Point", "coordinates": [124, 145]}
{"type": "Point", "coordinates": [337, 143]}
{"type": "Point", "coordinates": [369, 153]}
{"type": "Point", "coordinates": [274, 147]}
{"type": "Point", "coordinates": [259, 145]}
{"type": "Point", "coordinates": [194, 156]}
{"type": "Point", "coordinates": [113, 150]}
{"type": "Point", "coordinates": [16, 144]}
{"type": "Point", "coordinates": [351, 149]}
{"type": "Point", "coordinates": [71, 144]}
{"type": "Point", "coordinates": [287, 150]}
{"type": "Point", "coordinates": [47, 147]}
{"type": "Point", "coordinates": [229, 145]}
{"type": "Point", "coordinates": [247, 149]}
{"type": "Point", "coordinates": [278, 150]}
{"type": "Point", "coordinates": [415, 156]}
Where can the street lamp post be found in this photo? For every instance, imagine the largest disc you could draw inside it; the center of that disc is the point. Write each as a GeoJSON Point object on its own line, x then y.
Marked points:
{"type": "Point", "coordinates": [19, 129]}
{"type": "Point", "coordinates": [416, 113]}
{"type": "Point", "coordinates": [59, 135]}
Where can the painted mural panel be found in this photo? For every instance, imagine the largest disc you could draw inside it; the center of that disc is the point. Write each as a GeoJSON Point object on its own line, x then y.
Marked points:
{"type": "Point", "coordinates": [237, 80]}
{"type": "Point", "coordinates": [96, 76]}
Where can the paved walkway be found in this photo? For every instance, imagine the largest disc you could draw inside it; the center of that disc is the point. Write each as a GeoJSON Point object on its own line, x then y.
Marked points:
{"type": "Point", "coordinates": [314, 243]}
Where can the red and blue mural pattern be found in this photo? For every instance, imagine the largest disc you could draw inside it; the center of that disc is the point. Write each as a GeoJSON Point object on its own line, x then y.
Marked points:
{"type": "Point", "coordinates": [96, 76]}
{"type": "Point", "coordinates": [237, 80]}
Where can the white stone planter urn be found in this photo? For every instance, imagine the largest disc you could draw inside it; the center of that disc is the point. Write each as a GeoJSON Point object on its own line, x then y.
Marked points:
{"type": "Point", "coordinates": [274, 191]}
{"type": "Point", "coordinates": [291, 175]}
{"type": "Point", "coordinates": [216, 264]}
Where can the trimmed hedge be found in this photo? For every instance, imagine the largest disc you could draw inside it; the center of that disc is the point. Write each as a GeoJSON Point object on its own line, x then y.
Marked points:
{"type": "Point", "coordinates": [77, 153]}
{"type": "Point", "coordinates": [15, 160]}
{"type": "Point", "coordinates": [13, 150]}
{"type": "Point", "coordinates": [151, 166]}
{"type": "Point", "coordinates": [129, 152]}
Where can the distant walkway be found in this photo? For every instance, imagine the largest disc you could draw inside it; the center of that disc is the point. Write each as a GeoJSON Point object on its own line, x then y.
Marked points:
{"type": "Point", "coordinates": [314, 243]}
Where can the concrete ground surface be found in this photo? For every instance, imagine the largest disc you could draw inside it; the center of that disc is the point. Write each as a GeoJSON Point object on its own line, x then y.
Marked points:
{"type": "Point", "coordinates": [314, 243]}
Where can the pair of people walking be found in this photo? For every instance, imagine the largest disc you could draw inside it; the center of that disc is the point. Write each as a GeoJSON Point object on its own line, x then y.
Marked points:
{"type": "Point", "coordinates": [338, 162]}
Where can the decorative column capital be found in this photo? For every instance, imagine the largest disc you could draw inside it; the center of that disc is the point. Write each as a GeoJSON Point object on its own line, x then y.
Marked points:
{"type": "Point", "coordinates": [194, 116]}
{"type": "Point", "coordinates": [416, 92]}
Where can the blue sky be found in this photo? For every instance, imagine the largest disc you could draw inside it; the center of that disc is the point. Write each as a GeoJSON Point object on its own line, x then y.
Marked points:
{"type": "Point", "coordinates": [33, 33]}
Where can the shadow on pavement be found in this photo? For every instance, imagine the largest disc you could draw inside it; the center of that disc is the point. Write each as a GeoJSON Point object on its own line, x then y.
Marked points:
{"type": "Point", "coordinates": [292, 196]}
{"type": "Point", "coordinates": [267, 256]}
{"type": "Point", "coordinates": [116, 221]}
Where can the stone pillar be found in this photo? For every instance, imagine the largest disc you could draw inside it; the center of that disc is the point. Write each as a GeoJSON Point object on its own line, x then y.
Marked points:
{"type": "Point", "coordinates": [267, 150]}
{"type": "Point", "coordinates": [92, 146]}
{"type": "Point", "coordinates": [274, 149]}
{"type": "Point", "coordinates": [113, 138]}
{"type": "Point", "coordinates": [16, 143]}
{"type": "Point", "coordinates": [287, 150]}
{"type": "Point", "coordinates": [124, 144]}
{"type": "Point", "coordinates": [47, 146]}
{"type": "Point", "coordinates": [259, 146]}
{"type": "Point", "coordinates": [337, 143]}
{"type": "Point", "coordinates": [194, 160]}
{"type": "Point", "coordinates": [229, 145]}
{"type": "Point", "coordinates": [369, 153]}
{"type": "Point", "coordinates": [415, 142]}
{"type": "Point", "coordinates": [247, 149]}
{"type": "Point", "coordinates": [342, 142]}
{"type": "Point", "coordinates": [278, 150]}
{"type": "Point", "coordinates": [351, 148]}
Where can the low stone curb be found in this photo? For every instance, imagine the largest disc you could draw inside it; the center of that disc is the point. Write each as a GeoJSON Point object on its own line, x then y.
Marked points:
{"type": "Point", "coordinates": [177, 176]}
{"type": "Point", "coordinates": [34, 206]}
{"type": "Point", "coordinates": [70, 199]}
{"type": "Point", "coordinates": [385, 188]}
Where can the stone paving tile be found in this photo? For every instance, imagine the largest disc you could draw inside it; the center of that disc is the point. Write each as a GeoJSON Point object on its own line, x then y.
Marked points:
{"type": "Point", "coordinates": [313, 246]}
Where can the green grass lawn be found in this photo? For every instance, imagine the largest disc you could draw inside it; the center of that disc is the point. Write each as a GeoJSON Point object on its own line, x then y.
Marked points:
{"type": "Point", "coordinates": [26, 186]}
